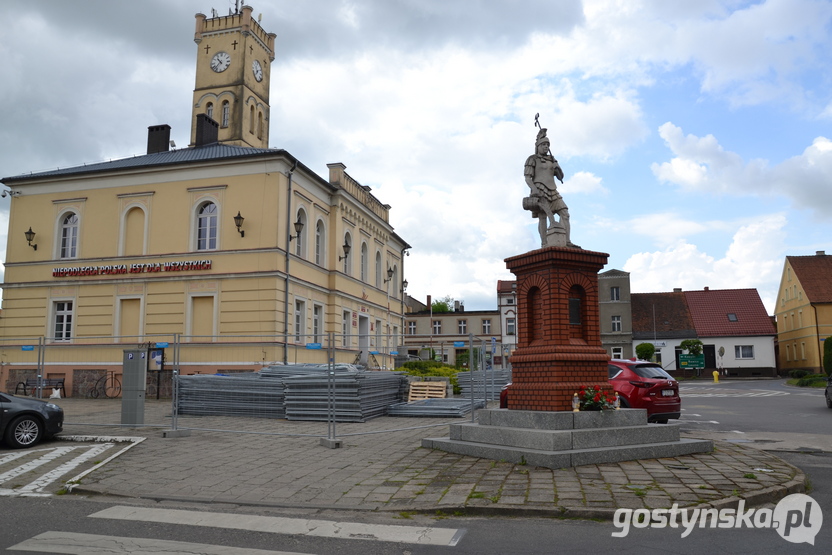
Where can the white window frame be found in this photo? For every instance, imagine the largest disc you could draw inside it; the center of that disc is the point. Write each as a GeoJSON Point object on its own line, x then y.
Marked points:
{"type": "Point", "coordinates": [511, 328]}
{"type": "Point", "coordinates": [411, 327]}
{"type": "Point", "coordinates": [617, 352]}
{"type": "Point", "coordinates": [300, 321]}
{"type": "Point", "coordinates": [365, 254]}
{"type": "Point", "coordinates": [462, 327]}
{"type": "Point", "coordinates": [208, 222]}
{"type": "Point", "coordinates": [300, 238]}
{"type": "Point", "coordinates": [616, 324]}
{"type": "Point", "coordinates": [317, 320]}
{"type": "Point", "coordinates": [320, 238]}
{"type": "Point", "coordinates": [348, 256]}
{"type": "Point", "coordinates": [615, 293]}
{"type": "Point", "coordinates": [63, 316]}
{"type": "Point", "coordinates": [437, 327]}
{"type": "Point", "coordinates": [486, 326]}
{"type": "Point", "coordinates": [68, 239]}
{"type": "Point", "coordinates": [346, 318]}
{"type": "Point", "coordinates": [226, 111]}
{"type": "Point", "coordinates": [740, 352]}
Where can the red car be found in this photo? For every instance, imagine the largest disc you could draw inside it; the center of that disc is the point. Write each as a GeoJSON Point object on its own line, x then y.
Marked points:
{"type": "Point", "coordinates": [645, 385]}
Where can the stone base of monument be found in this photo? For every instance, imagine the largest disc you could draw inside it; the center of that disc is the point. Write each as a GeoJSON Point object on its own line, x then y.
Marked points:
{"type": "Point", "coordinates": [565, 439]}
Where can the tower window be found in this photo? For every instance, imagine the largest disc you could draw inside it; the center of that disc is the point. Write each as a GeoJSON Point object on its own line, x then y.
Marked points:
{"type": "Point", "coordinates": [260, 125]}
{"type": "Point", "coordinates": [209, 110]}
{"type": "Point", "coordinates": [225, 111]}
{"type": "Point", "coordinates": [251, 121]}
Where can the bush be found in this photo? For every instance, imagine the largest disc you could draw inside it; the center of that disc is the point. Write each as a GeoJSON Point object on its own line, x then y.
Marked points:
{"type": "Point", "coordinates": [645, 351]}
{"type": "Point", "coordinates": [798, 373]}
{"type": "Point", "coordinates": [811, 381]}
{"type": "Point", "coordinates": [827, 357]}
{"type": "Point", "coordinates": [432, 368]}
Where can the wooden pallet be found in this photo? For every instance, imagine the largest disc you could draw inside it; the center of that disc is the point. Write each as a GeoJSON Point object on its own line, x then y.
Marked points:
{"type": "Point", "coordinates": [427, 390]}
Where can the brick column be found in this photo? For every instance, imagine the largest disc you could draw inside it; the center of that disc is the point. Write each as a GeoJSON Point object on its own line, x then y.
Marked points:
{"type": "Point", "coordinates": [557, 351]}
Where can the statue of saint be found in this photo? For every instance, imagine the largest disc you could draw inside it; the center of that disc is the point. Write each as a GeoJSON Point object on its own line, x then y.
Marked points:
{"type": "Point", "coordinates": [545, 201]}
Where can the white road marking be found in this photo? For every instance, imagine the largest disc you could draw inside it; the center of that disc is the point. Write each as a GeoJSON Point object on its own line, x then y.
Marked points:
{"type": "Point", "coordinates": [49, 477]}
{"type": "Point", "coordinates": [688, 392]}
{"type": "Point", "coordinates": [84, 544]}
{"type": "Point", "coordinates": [685, 421]}
{"type": "Point", "coordinates": [296, 526]}
{"type": "Point", "coordinates": [14, 456]}
{"type": "Point", "coordinates": [23, 469]}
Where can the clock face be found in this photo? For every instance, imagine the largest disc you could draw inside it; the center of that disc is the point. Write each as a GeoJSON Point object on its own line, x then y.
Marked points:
{"type": "Point", "coordinates": [220, 61]}
{"type": "Point", "coordinates": [257, 70]}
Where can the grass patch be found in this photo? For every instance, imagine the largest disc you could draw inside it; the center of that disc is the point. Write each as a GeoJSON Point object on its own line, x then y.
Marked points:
{"type": "Point", "coordinates": [476, 495]}
{"type": "Point", "coordinates": [750, 476]}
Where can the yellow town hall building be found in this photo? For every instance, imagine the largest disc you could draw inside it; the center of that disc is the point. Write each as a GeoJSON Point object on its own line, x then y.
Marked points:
{"type": "Point", "coordinates": [236, 253]}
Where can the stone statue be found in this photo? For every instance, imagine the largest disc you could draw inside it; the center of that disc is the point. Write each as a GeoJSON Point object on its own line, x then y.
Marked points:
{"type": "Point", "coordinates": [545, 201]}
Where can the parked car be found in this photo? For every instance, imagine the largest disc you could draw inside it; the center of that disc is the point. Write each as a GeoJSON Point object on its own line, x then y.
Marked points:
{"type": "Point", "coordinates": [645, 385]}
{"type": "Point", "coordinates": [828, 393]}
{"type": "Point", "coordinates": [25, 421]}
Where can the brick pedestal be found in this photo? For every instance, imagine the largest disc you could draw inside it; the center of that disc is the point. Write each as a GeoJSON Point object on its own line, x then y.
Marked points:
{"type": "Point", "coordinates": [558, 336]}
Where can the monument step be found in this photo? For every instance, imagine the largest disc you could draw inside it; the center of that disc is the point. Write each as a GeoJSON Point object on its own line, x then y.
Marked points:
{"type": "Point", "coordinates": [571, 457]}
{"type": "Point", "coordinates": [559, 440]}
{"type": "Point", "coordinates": [561, 420]}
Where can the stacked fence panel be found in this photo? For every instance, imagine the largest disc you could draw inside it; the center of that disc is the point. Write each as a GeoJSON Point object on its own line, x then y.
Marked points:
{"type": "Point", "coordinates": [436, 408]}
{"type": "Point", "coordinates": [486, 384]}
{"type": "Point", "coordinates": [358, 396]}
{"type": "Point", "coordinates": [247, 394]}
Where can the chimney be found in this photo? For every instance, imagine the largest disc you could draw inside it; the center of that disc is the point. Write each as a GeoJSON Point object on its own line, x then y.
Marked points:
{"type": "Point", "coordinates": [456, 306]}
{"type": "Point", "coordinates": [429, 303]}
{"type": "Point", "coordinates": [677, 289]}
{"type": "Point", "coordinates": [207, 130]}
{"type": "Point", "coordinates": [820, 253]}
{"type": "Point", "coordinates": [158, 138]}
{"type": "Point", "coordinates": [707, 289]}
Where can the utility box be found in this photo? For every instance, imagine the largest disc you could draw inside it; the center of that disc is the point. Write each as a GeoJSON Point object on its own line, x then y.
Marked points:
{"type": "Point", "coordinates": [133, 385]}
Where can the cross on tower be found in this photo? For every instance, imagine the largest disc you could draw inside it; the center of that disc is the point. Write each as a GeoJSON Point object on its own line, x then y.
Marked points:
{"type": "Point", "coordinates": [234, 44]}
{"type": "Point", "coordinates": [207, 48]}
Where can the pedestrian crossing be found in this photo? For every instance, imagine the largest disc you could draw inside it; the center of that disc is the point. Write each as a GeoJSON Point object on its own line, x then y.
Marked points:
{"type": "Point", "coordinates": [47, 465]}
{"type": "Point", "coordinates": [690, 392]}
{"type": "Point", "coordinates": [81, 543]}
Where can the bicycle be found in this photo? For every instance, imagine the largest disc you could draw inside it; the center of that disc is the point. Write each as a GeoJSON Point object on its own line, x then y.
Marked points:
{"type": "Point", "coordinates": [108, 384]}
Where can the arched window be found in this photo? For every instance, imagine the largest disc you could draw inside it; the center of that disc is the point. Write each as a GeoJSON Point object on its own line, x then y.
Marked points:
{"type": "Point", "coordinates": [378, 270]}
{"type": "Point", "coordinates": [364, 261]}
{"type": "Point", "coordinates": [209, 110]}
{"type": "Point", "coordinates": [394, 283]}
{"type": "Point", "coordinates": [225, 112]}
{"type": "Point", "coordinates": [348, 255]}
{"type": "Point", "coordinates": [260, 125]}
{"type": "Point", "coordinates": [319, 243]}
{"type": "Point", "coordinates": [251, 121]}
{"type": "Point", "coordinates": [206, 228]}
{"type": "Point", "coordinates": [69, 236]}
{"type": "Point", "coordinates": [300, 239]}
{"type": "Point", "coordinates": [534, 322]}
{"type": "Point", "coordinates": [577, 306]}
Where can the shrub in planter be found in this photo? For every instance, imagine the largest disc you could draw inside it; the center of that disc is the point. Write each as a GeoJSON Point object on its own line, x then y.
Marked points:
{"type": "Point", "coordinates": [798, 373]}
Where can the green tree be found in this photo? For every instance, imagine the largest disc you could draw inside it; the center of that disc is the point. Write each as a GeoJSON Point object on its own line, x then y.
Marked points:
{"type": "Point", "coordinates": [645, 351]}
{"type": "Point", "coordinates": [443, 305]}
{"type": "Point", "coordinates": [462, 359]}
{"type": "Point", "coordinates": [827, 356]}
{"type": "Point", "coordinates": [692, 346]}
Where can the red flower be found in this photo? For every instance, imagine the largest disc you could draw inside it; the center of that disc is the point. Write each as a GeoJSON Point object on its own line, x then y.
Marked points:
{"type": "Point", "coordinates": [597, 397]}
{"type": "Point", "coordinates": [597, 388]}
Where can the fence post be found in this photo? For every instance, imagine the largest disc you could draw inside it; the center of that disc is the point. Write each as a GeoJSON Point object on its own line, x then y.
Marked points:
{"type": "Point", "coordinates": [174, 420]}
{"type": "Point", "coordinates": [330, 441]}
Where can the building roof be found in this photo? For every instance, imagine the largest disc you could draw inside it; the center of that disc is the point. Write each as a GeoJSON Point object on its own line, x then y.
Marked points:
{"type": "Point", "coordinates": [212, 152]}
{"type": "Point", "coordinates": [813, 273]}
{"type": "Point", "coordinates": [661, 316]}
{"type": "Point", "coordinates": [506, 286]}
{"type": "Point", "coordinates": [728, 312]}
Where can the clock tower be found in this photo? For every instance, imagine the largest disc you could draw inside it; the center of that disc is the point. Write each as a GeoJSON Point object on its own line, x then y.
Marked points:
{"type": "Point", "coordinates": [232, 77]}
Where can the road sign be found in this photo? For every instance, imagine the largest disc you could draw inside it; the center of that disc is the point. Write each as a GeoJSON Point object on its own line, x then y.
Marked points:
{"type": "Point", "coordinates": [692, 361]}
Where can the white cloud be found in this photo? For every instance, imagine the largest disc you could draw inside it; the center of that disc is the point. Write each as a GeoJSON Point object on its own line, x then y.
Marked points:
{"type": "Point", "coordinates": [701, 164]}
{"type": "Point", "coordinates": [753, 260]}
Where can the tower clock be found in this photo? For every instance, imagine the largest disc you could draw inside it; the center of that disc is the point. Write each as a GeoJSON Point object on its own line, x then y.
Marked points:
{"type": "Point", "coordinates": [234, 57]}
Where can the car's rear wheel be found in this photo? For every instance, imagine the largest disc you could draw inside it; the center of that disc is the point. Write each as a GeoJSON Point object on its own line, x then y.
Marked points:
{"type": "Point", "coordinates": [24, 431]}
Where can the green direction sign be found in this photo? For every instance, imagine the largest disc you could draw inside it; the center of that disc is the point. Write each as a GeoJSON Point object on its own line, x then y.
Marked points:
{"type": "Point", "coordinates": [692, 361]}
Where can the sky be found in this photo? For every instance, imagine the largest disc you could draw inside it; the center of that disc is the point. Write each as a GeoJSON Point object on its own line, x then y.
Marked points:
{"type": "Point", "coordinates": [695, 135]}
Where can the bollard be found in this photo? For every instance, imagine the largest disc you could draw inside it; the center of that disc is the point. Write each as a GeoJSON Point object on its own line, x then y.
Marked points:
{"type": "Point", "coordinates": [716, 376]}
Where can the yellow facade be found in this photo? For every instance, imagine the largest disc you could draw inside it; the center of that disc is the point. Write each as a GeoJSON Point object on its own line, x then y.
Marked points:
{"type": "Point", "coordinates": [145, 250]}
{"type": "Point", "coordinates": [802, 325]}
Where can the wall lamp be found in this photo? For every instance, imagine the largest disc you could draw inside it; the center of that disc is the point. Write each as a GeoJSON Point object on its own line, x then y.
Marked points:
{"type": "Point", "coordinates": [389, 275]}
{"type": "Point", "coordinates": [30, 236]}
{"type": "Point", "coordinates": [346, 248]}
{"type": "Point", "coordinates": [404, 286]}
{"type": "Point", "coordinates": [298, 229]}
{"type": "Point", "coordinates": [238, 221]}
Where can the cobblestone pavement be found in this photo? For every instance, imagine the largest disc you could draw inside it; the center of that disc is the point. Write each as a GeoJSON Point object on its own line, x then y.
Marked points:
{"type": "Point", "coordinates": [381, 466]}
